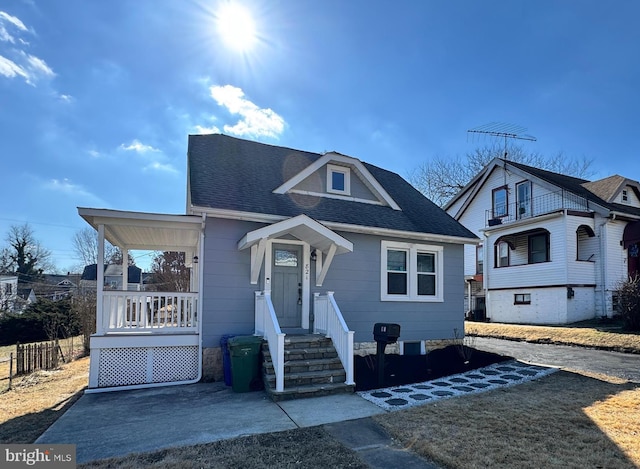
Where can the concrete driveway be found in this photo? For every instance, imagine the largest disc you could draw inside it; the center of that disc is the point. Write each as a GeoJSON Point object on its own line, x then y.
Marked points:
{"type": "Point", "coordinates": [622, 365]}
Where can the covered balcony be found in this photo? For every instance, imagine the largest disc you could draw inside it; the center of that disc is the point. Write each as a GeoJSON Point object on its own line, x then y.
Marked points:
{"type": "Point", "coordinates": [145, 338]}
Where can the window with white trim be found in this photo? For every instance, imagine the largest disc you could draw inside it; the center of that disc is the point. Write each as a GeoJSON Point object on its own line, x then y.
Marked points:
{"type": "Point", "coordinates": [411, 272]}
{"type": "Point", "coordinates": [338, 179]}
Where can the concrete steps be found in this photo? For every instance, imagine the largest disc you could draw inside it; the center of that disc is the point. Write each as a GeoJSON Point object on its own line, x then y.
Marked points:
{"type": "Point", "coordinates": [311, 368]}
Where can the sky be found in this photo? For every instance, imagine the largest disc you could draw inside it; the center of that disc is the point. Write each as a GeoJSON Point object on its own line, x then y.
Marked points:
{"type": "Point", "coordinates": [97, 99]}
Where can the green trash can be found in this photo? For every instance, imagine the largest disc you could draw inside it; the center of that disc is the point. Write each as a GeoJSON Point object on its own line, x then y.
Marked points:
{"type": "Point", "coordinates": [245, 363]}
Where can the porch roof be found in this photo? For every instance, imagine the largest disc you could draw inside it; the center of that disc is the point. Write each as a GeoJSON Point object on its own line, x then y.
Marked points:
{"type": "Point", "coordinates": [305, 229]}
{"type": "Point", "coordinates": [146, 231]}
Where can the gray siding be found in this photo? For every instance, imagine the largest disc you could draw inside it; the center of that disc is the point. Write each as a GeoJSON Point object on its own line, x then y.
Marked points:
{"type": "Point", "coordinates": [355, 279]}
{"type": "Point", "coordinates": [317, 182]}
{"type": "Point", "coordinates": [228, 296]}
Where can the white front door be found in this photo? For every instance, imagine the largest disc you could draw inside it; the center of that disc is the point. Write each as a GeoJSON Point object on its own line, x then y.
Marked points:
{"type": "Point", "coordinates": [286, 284]}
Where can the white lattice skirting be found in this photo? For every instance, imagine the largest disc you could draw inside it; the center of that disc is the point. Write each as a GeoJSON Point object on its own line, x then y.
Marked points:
{"type": "Point", "coordinates": [137, 366]}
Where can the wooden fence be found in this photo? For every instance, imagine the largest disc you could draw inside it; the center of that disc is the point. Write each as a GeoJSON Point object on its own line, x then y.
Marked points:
{"type": "Point", "coordinates": [32, 357]}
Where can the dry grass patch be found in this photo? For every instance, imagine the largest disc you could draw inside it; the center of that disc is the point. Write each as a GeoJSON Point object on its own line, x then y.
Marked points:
{"type": "Point", "coordinates": [301, 448]}
{"type": "Point", "coordinates": [586, 336]}
{"type": "Point", "coordinates": [562, 420]}
{"type": "Point", "coordinates": [71, 347]}
{"type": "Point", "coordinates": [38, 399]}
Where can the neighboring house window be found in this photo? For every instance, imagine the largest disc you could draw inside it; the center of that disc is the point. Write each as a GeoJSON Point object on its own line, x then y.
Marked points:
{"type": "Point", "coordinates": [8, 289]}
{"type": "Point", "coordinates": [522, 299]}
{"type": "Point", "coordinates": [539, 248]}
{"type": "Point", "coordinates": [625, 195]}
{"type": "Point", "coordinates": [523, 202]}
{"type": "Point", "coordinates": [500, 201]}
{"type": "Point", "coordinates": [411, 272]}
{"type": "Point", "coordinates": [586, 244]}
{"type": "Point", "coordinates": [338, 179]}
{"type": "Point", "coordinates": [502, 254]}
{"type": "Point", "coordinates": [479, 259]}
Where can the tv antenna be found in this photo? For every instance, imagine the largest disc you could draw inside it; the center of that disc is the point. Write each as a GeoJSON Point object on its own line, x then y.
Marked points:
{"type": "Point", "coordinates": [506, 131]}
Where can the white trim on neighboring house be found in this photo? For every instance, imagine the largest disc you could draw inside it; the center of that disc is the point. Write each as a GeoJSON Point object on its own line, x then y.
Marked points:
{"type": "Point", "coordinates": [412, 250]}
{"type": "Point", "coordinates": [353, 163]}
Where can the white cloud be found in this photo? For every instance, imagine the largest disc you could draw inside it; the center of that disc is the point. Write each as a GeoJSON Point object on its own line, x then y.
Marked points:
{"type": "Point", "coordinates": [164, 167]}
{"type": "Point", "coordinates": [7, 18]}
{"type": "Point", "coordinates": [138, 147]}
{"type": "Point", "coordinates": [255, 121]}
{"type": "Point", "coordinates": [94, 153]}
{"type": "Point", "coordinates": [38, 65]}
{"type": "Point", "coordinates": [20, 63]}
{"type": "Point", "coordinates": [10, 69]}
{"type": "Point", "coordinates": [67, 187]}
{"type": "Point", "coordinates": [207, 130]}
{"type": "Point", "coordinates": [152, 155]}
{"type": "Point", "coordinates": [66, 98]}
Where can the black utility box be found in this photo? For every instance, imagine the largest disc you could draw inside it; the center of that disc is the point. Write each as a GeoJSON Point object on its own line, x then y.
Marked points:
{"type": "Point", "coordinates": [386, 332]}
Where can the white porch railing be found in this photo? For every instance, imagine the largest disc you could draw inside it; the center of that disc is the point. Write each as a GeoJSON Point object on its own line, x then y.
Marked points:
{"type": "Point", "coordinates": [267, 326]}
{"type": "Point", "coordinates": [149, 312]}
{"type": "Point", "coordinates": [329, 321]}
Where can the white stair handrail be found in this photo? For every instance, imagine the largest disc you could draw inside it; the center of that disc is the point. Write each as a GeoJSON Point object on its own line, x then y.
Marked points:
{"type": "Point", "coordinates": [266, 325]}
{"type": "Point", "coordinates": [329, 321]}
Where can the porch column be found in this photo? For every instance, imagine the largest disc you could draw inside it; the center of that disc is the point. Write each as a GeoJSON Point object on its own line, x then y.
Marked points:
{"type": "Point", "coordinates": [125, 268]}
{"type": "Point", "coordinates": [100, 282]}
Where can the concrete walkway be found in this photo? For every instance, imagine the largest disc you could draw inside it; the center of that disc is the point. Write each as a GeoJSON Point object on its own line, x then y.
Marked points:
{"type": "Point", "coordinates": [118, 423]}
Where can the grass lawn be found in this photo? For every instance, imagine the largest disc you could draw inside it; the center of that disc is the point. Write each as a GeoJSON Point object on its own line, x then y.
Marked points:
{"type": "Point", "coordinates": [562, 420]}
{"type": "Point", "coordinates": [70, 347]}
{"type": "Point", "coordinates": [602, 335]}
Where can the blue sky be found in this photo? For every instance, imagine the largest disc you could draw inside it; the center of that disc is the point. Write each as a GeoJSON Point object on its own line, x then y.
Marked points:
{"type": "Point", "coordinates": [97, 98]}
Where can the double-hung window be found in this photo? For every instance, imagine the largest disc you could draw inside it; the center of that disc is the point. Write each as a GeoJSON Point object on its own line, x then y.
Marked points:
{"type": "Point", "coordinates": [411, 272]}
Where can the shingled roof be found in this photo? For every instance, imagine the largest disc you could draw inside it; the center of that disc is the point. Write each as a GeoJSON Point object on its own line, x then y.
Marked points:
{"type": "Point", "coordinates": [581, 187]}
{"type": "Point", "coordinates": [240, 175]}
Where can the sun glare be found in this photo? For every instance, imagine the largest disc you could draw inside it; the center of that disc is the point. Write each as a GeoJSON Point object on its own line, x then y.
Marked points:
{"type": "Point", "coordinates": [236, 26]}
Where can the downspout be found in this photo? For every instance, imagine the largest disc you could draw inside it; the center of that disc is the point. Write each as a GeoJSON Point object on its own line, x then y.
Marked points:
{"type": "Point", "coordinates": [603, 263]}
{"type": "Point", "coordinates": [201, 263]}
{"type": "Point", "coordinates": [485, 276]}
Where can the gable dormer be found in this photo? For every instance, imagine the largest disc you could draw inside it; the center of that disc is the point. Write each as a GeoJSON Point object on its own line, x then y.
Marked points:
{"type": "Point", "coordinates": [616, 189]}
{"type": "Point", "coordinates": [338, 176]}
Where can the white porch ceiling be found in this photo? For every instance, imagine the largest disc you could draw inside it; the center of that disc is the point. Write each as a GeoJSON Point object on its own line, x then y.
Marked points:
{"type": "Point", "coordinates": [146, 231]}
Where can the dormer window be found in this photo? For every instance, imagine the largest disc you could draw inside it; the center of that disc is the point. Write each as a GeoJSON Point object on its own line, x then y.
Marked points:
{"type": "Point", "coordinates": [338, 180]}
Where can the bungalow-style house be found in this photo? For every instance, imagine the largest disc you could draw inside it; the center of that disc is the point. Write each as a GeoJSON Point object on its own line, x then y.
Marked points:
{"type": "Point", "coordinates": [554, 247]}
{"type": "Point", "coordinates": [286, 245]}
{"type": "Point", "coordinates": [113, 278]}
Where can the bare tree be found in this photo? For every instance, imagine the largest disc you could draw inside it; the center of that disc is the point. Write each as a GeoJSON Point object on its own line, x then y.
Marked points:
{"type": "Point", "coordinates": [24, 255]}
{"type": "Point", "coordinates": [170, 272]}
{"type": "Point", "coordinates": [85, 245]}
{"type": "Point", "coordinates": [441, 178]}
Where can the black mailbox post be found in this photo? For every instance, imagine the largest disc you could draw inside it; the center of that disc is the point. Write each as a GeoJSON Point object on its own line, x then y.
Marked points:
{"type": "Point", "coordinates": [384, 333]}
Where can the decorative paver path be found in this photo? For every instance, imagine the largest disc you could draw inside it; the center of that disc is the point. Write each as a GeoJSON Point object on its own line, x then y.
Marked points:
{"type": "Point", "coordinates": [498, 375]}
